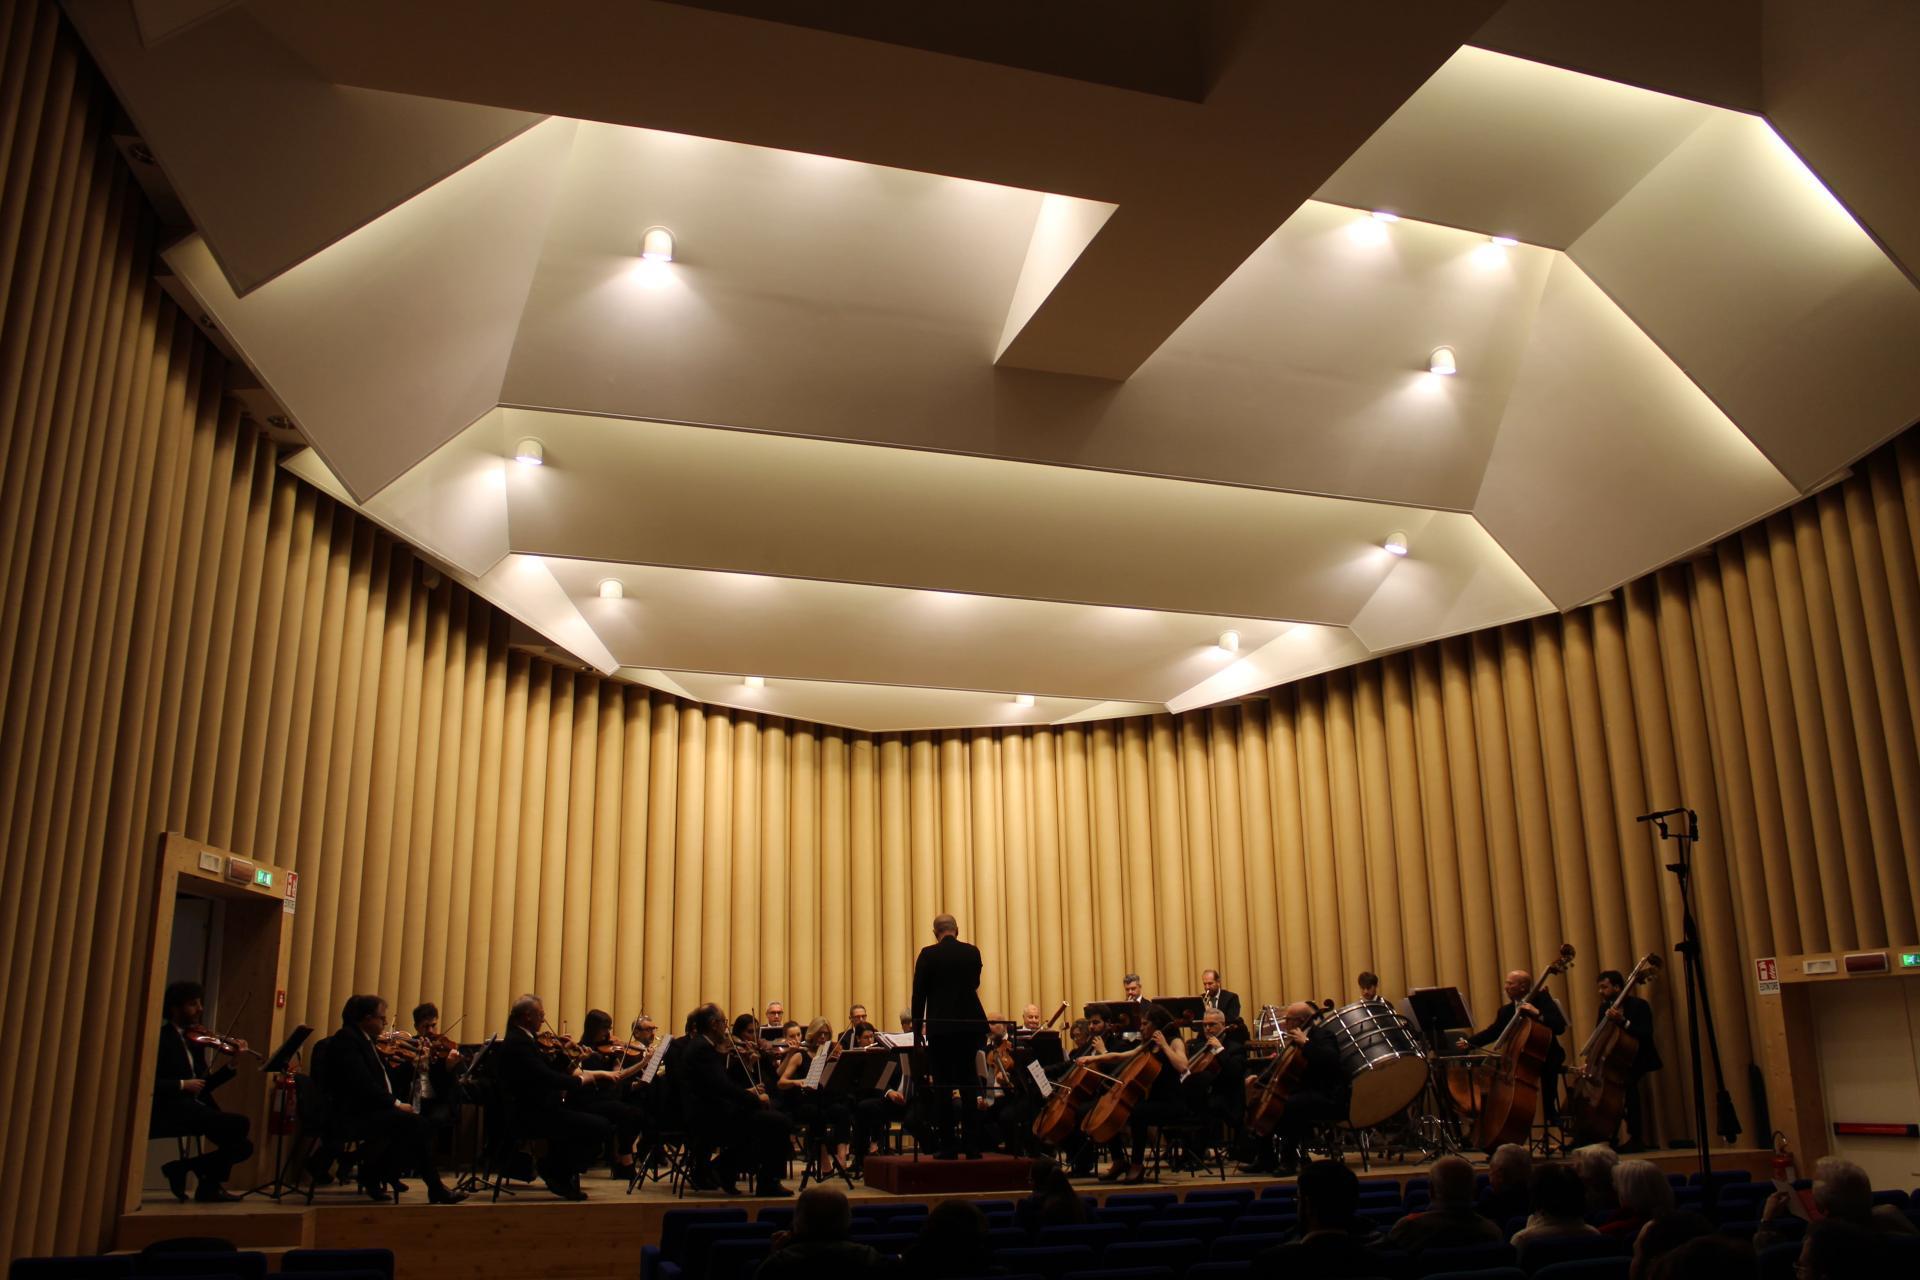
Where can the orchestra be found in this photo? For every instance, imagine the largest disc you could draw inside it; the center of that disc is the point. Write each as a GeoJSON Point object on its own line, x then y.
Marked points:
{"type": "Point", "coordinates": [748, 1095]}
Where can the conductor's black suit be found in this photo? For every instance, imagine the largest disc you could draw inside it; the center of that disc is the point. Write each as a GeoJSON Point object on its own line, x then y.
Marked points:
{"type": "Point", "coordinates": [948, 1015]}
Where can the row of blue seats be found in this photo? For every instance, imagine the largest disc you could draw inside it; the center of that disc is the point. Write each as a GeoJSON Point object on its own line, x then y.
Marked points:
{"type": "Point", "coordinates": [166, 1264]}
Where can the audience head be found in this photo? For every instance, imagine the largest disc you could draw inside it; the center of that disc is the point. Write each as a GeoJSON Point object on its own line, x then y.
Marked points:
{"type": "Point", "coordinates": [1329, 1194]}
{"type": "Point", "coordinates": [1511, 1165]}
{"type": "Point", "coordinates": [955, 1234]}
{"type": "Point", "coordinates": [1835, 1250]}
{"type": "Point", "coordinates": [1595, 1165]}
{"type": "Point", "coordinates": [1642, 1189]}
{"type": "Point", "coordinates": [1662, 1235]}
{"type": "Point", "coordinates": [1558, 1193]}
{"type": "Point", "coordinates": [1450, 1183]}
{"type": "Point", "coordinates": [1841, 1189]}
{"type": "Point", "coordinates": [1709, 1257]}
{"type": "Point", "coordinates": [822, 1213]}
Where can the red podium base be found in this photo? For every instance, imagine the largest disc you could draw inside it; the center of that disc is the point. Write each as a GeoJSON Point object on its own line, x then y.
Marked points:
{"type": "Point", "coordinates": [905, 1176]}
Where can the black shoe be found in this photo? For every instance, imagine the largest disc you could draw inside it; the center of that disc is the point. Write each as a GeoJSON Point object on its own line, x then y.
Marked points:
{"type": "Point", "coordinates": [375, 1192]}
{"type": "Point", "coordinates": [399, 1188]}
{"type": "Point", "coordinates": [568, 1191]}
{"type": "Point", "coordinates": [444, 1195]}
{"type": "Point", "coordinates": [175, 1172]}
{"type": "Point", "coordinates": [213, 1193]}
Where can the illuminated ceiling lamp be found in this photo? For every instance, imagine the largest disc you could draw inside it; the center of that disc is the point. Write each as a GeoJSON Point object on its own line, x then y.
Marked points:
{"type": "Point", "coordinates": [1504, 242]}
{"type": "Point", "coordinates": [755, 682]}
{"type": "Point", "coordinates": [656, 245]}
{"type": "Point", "coordinates": [1229, 641]}
{"type": "Point", "coordinates": [611, 589]}
{"type": "Point", "coordinates": [1442, 362]}
{"type": "Point", "coordinates": [1396, 543]}
{"type": "Point", "coordinates": [1022, 699]}
{"type": "Point", "coordinates": [1372, 229]}
{"type": "Point", "coordinates": [530, 453]}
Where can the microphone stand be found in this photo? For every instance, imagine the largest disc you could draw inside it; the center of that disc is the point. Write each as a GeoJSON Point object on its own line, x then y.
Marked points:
{"type": "Point", "coordinates": [1699, 1007]}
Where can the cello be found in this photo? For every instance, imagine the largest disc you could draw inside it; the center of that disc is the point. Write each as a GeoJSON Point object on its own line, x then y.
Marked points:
{"type": "Point", "coordinates": [1059, 1117]}
{"type": "Point", "coordinates": [1597, 1093]}
{"type": "Point", "coordinates": [1512, 1096]}
{"type": "Point", "coordinates": [1268, 1102]}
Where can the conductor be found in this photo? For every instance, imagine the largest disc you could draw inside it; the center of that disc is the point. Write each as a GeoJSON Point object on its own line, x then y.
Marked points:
{"type": "Point", "coordinates": [949, 1020]}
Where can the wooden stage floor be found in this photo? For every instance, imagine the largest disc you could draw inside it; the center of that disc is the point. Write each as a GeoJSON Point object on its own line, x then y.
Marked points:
{"type": "Point", "coordinates": [533, 1233]}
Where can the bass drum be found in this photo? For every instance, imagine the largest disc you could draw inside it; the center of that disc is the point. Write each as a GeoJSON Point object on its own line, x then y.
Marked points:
{"type": "Point", "coordinates": [1382, 1056]}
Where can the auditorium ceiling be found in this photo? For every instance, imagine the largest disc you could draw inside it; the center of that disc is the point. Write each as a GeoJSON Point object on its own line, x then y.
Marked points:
{"type": "Point", "coordinates": [1011, 349]}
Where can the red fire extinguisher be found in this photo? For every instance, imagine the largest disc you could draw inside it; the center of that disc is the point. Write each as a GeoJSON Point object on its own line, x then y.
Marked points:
{"type": "Point", "coordinates": [283, 1105]}
{"type": "Point", "coordinates": [1783, 1166]}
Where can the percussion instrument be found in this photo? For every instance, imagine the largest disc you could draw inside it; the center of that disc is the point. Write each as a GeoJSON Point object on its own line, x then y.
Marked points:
{"type": "Point", "coordinates": [1383, 1058]}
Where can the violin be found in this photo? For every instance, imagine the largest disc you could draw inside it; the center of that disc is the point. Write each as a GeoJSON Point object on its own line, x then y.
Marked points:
{"type": "Point", "coordinates": [398, 1049]}
{"type": "Point", "coordinates": [561, 1048]}
{"type": "Point", "coordinates": [228, 1045]}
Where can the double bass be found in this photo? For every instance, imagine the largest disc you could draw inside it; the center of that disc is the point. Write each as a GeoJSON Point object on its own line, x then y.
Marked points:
{"type": "Point", "coordinates": [1597, 1092]}
{"type": "Point", "coordinates": [1506, 1103]}
{"type": "Point", "coordinates": [1268, 1102]}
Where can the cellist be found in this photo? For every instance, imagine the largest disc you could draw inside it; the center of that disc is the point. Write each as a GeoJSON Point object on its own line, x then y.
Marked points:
{"type": "Point", "coordinates": [1163, 1103]}
{"type": "Point", "coordinates": [1519, 983]}
{"type": "Point", "coordinates": [1319, 1100]}
{"type": "Point", "coordinates": [1636, 1017]}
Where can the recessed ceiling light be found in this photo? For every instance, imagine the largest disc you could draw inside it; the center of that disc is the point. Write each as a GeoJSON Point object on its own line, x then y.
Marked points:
{"type": "Point", "coordinates": [610, 589]}
{"type": "Point", "coordinates": [530, 453]}
{"type": "Point", "coordinates": [1442, 362]}
{"type": "Point", "coordinates": [1367, 231]}
{"type": "Point", "coordinates": [1396, 543]}
{"type": "Point", "coordinates": [656, 245]}
{"type": "Point", "coordinates": [1381, 215]}
{"type": "Point", "coordinates": [1505, 242]}
{"type": "Point", "coordinates": [1229, 641]}
{"type": "Point", "coordinates": [1022, 699]}
{"type": "Point", "coordinates": [756, 682]}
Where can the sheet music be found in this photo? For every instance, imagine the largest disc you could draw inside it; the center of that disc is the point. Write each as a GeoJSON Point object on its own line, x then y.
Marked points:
{"type": "Point", "coordinates": [897, 1039]}
{"type": "Point", "coordinates": [653, 1059]}
{"type": "Point", "coordinates": [816, 1070]}
{"type": "Point", "coordinates": [1040, 1078]}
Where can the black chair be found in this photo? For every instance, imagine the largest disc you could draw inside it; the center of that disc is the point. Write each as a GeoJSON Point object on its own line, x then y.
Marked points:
{"type": "Point", "coordinates": [1536, 1254]}
{"type": "Point", "coordinates": [1465, 1257]}
{"type": "Point", "coordinates": [1615, 1268]}
{"type": "Point", "coordinates": [246, 1265]}
{"type": "Point", "coordinates": [103, 1266]}
{"type": "Point", "coordinates": [307, 1260]}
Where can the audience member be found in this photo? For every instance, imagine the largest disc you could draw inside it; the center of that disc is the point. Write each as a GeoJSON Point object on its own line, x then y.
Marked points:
{"type": "Point", "coordinates": [1839, 1250]}
{"type": "Point", "coordinates": [953, 1243]}
{"type": "Point", "coordinates": [1328, 1246]}
{"type": "Point", "coordinates": [1644, 1194]}
{"type": "Point", "coordinates": [1054, 1202]}
{"type": "Point", "coordinates": [1509, 1171]}
{"type": "Point", "coordinates": [817, 1244]}
{"type": "Point", "coordinates": [1662, 1236]}
{"type": "Point", "coordinates": [1559, 1209]}
{"type": "Point", "coordinates": [1595, 1165]}
{"type": "Point", "coordinates": [1842, 1192]}
{"type": "Point", "coordinates": [1710, 1257]}
{"type": "Point", "coordinates": [1449, 1220]}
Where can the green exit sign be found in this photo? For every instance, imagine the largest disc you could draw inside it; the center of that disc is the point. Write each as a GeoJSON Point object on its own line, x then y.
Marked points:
{"type": "Point", "coordinates": [1910, 959]}
{"type": "Point", "coordinates": [263, 877]}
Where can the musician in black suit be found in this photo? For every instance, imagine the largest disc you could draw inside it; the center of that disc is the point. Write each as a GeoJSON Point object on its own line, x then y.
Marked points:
{"type": "Point", "coordinates": [1519, 983]}
{"type": "Point", "coordinates": [723, 1114]}
{"type": "Point", "coordinates": [1218, 997]}
{"type": "Point", "coordinates": [1635, 1016]}
{"type": "Point", "coordinates": [183, 1104]}
{"type": "Point", "coordinates": [363, 1104]}
{"type": "Point", "coordinates": [537, 1089]}
{"type": "Point", "coordinates": [950, 1021]}
{"type": "Point", "coordinates": [1323, 1094]}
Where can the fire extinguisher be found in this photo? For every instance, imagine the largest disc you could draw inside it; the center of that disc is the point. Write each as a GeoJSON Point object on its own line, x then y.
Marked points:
{"type": "Point", "coordinates": [283, 1105]}
{"type": "Point", "coordinates": [1783, 1166]}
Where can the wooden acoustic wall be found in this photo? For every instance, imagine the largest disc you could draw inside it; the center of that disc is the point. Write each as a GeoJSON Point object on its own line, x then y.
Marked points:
{"type": "Point", "coordinates": [190, 640]}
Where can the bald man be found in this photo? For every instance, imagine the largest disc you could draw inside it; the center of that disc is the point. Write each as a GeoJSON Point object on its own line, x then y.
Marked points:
{"type": "Point", "coordinates": [1318, 1101]}
{"type": "Point", "coordinates": [1519, 983]}
{"type": "Point", "coordinates": [1030, 1018]}
{"type": "Point", "coordinates": [950, 1021]}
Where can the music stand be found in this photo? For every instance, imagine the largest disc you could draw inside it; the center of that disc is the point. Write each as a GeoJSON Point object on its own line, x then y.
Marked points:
{"type": "Point", "coordinates": [276, 1186]}
{"type": "Point", "coordinates": [1043, 1047]}
{"type": "Point", "coordinates": [1123, 1016]}
{"type": "Point", "coordinates": [854, 1072]}
{"type": "Point", "coordinates": [1187, 1011]}
{"type": "Point", "coordinates": [1439, 1010]}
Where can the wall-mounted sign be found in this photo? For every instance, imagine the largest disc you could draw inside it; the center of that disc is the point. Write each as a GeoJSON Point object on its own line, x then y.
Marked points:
{"type": "Point", "coordinates": [1766, 972]}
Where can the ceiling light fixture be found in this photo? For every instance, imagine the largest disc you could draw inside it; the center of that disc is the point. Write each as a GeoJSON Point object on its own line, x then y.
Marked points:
{"type": "Point", "coordinates": [1505, 242]}
{"type": "Point", "coordinates": [1229, 641]}
{"type": "Point", "coordinates": [1396, 543]}
{"type": "Point", "coordinates": [755, 682]}
{"type": "Point", "coordinates": [1381, 215]}
{"type": "Point", "coordinates": [1368, 231]}
{"type": "Point", "coordinates": [1442, 362]}
{"type": "Point", "coordinates": [656, 244]}
{"type": "Point", "coordinates": [1022, 699]}
{"type": "Point", "coordinates": [610, 589]}
{"type": "Point", "coordinates": [530, 453]}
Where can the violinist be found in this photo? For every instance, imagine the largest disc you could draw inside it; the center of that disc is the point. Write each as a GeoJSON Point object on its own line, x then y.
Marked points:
{"type": "Point", "coordinates": [1319, 1100]}
{"type": "Point", "coordinates": [437, 1095]}
{"type": "Point", "coordinates": [610, 1098]}
{"type": "Point", "coordinates": [873, 1114]}
{"type": "Point", "coordinates": [539, 1087]}
{"type": "Point", "coordinates": [746, 1064]}
{"type": "Point", "coordinates": [997, 1100]}
{"type": "Point", "coordinates": [725, 1117]}
{"type": "Point", "coordinates": [825, 1120]}
{"type": "Point", "coordinates": [364, 1104]}
{"type": "Point", "coordinates": [183, 1103]}
{"type": "Point", "coordinates": [1542, 1006]}
{"type": "Point", "coordinates": [1636, 1017]}
{"type": "Point", "coordinates": [1162, 1104]}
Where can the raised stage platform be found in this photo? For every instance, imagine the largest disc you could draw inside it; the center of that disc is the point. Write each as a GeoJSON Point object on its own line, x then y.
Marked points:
{"type": "Point", "coordinates": [532, 1233]}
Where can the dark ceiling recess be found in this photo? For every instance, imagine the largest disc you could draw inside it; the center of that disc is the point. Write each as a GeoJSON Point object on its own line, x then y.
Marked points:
{"type": "Point", "coordinates": [1165, 47]}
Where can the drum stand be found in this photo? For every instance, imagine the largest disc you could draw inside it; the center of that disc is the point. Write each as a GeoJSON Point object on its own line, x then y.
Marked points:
{"type": "Point", "coordinates": [1436, 1130]}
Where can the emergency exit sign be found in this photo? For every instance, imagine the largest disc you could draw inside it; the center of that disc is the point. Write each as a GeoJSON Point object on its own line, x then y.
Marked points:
{"type": "Point", "coordinates": [1910, 959]}
{"type": "Point", "coordinates": [263, 877]}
